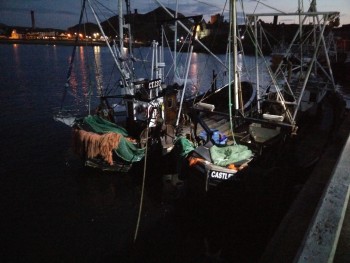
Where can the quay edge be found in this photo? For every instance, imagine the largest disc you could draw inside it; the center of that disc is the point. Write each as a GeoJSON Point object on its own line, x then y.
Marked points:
{"type": "Point", "coordinates": [310, 230]}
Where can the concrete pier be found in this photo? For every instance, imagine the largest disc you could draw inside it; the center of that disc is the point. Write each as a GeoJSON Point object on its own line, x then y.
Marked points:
{"type": "Point", "coordinates": [321, 242]}
{"type": "Point", "coordinates": [317, 226]}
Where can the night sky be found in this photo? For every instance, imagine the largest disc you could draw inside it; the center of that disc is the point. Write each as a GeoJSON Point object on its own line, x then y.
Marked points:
{"type": "Point", "coordinates": [62, 14]}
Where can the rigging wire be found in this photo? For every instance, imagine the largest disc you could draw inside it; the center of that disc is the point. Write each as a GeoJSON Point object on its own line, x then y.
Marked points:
{"type": "Point", "coordinates": [144, 60]}
{"type": "Point", "coordinates": [106, 13]}
{"type": "Point", "coordinates": [142, 188]}
{"type": "Point", "coordinates": [110, 84]}
{"type": "Point", "coordinates": [273, 8]}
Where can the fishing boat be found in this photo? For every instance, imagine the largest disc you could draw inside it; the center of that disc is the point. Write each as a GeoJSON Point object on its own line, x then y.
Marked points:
{"type": "Point", "coordinates": [112, 131]}
{"type": "Point", "coordinates": [209, 147]}
{"type": "Point", "coordinates": [119, 122]}
{"type": "Point", "coordinates": [236, 123]}
{"type": "Point", "coordinates": [224, 142]}
{"type": "Point", "coordinates": [304, 68]}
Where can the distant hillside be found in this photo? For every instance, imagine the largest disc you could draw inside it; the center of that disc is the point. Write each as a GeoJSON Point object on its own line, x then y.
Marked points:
{"type": "Point", "coordinates": [141, 30]}
{"type": "Point", "coordinates": [86, 29]}
{"type": "Point", "coordinates": [145, 27]}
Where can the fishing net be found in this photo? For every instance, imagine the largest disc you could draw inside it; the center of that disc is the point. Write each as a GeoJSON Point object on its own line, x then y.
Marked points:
{"type": "Point", "coordinates": [100, 125]}
{"type": "Point", "coordinates": [125, 149]}
{"type": "Point", "coordinates": [182, 147]}
{"type": "Point", "coordinates": [226, 155]}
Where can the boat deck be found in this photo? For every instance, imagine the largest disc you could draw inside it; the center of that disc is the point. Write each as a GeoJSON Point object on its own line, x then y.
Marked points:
{"type": "Point", "coordinates": [214, 122]}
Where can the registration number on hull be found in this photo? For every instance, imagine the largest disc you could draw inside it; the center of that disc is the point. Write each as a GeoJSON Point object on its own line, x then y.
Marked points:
{"type": "Point", "coordinates": [220, 175]}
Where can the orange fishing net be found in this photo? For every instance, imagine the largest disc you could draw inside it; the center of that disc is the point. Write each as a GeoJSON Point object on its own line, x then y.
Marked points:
{"type": "Point", "coordinates": [193, 161]}
{"type": "Point", "coordinates": [232, 167]}
{"type": "Point", "coordinates": [91, 144]}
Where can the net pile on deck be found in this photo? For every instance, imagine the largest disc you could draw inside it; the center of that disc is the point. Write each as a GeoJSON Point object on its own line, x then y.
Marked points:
{"type": "Point", "coordinates": [102, 138]}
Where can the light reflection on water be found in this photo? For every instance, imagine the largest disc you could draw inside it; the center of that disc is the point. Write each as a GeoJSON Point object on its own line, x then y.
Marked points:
{"type": "Point", "coordinates": [203, 66]}
{"type": "Point", "coordinates": [200, 77]}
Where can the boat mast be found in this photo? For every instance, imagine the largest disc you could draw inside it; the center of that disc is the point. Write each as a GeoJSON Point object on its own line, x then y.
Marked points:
{"type": "Point", "coordinates": [257, 64]}
{"type": "Point", "coordinates": [301, 22]}
{"type": "Point", "coordinates": [128, 12]}
{"type": "Point", "coordinates": [121, 24]}
{"type": "Point", "coordinates": [233, 36]}
{"type": "Point", "coordinates": [175, 38]}
{"type": "Point", "coordinates": [160, 62]}
{"type": "Point", "coordinates": [154, 58]}
{"type": "Point", "coordinates": [235, 44]}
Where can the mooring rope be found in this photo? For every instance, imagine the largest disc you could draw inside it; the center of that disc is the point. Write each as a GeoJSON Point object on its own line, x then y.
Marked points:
{"type": "Point", "coordinates": [142, 188]}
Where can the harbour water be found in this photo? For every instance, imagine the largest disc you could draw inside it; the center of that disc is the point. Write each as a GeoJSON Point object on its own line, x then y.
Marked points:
{"type": "Point", "coordinates": [55, 210]}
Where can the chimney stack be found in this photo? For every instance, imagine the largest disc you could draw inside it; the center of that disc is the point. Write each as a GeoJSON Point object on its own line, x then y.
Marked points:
{"type": "Point", "coordinates": [33, 19]}
{"type": "Point", "coordinates": [275, 20]}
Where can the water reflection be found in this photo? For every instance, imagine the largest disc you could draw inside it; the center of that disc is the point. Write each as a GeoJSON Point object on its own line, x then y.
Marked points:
{"type": "Point", "coordinates": [83, 71]}
{"type": "Point", "coordinates": [55, 58]}
{"type": "Point", "coordinates": [86, 81]}
{"type": "Point", "coordinates": [17, 59]}
{"type": "Point", "coordinates": [98, 61]}
{"type": "Point", "coordinates": [98, 69]}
